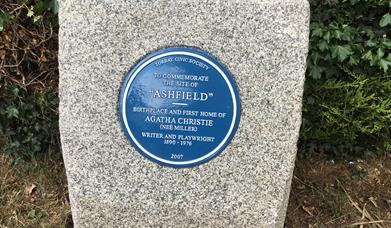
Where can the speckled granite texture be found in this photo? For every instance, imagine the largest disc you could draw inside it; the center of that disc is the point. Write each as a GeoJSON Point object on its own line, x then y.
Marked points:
{"type": "Point", "coordinates": [264, 45]}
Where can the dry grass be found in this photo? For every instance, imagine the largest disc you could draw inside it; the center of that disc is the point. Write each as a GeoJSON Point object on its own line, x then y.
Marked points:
{"type": "Point", "coordinates": [33, 194]}
{"type": "Point", "coordinates": [341, 194]}
{"type": "Point", "coordinates": [324, 193]}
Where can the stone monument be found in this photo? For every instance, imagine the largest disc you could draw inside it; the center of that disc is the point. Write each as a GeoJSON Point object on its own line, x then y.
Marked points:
{"type": "Point", "coordinates": [181, 113]}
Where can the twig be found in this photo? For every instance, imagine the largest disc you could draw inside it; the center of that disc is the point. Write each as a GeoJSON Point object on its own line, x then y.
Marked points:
{"type": "Point", "coordinates": [367, 223]}
{"type": "Point", "coordinates": [340, 217]}
{"type": "Point", "coordinates": [364, 212]}
{"type": "Point", "coordinates": [308, 185]}
{"type": "Point", "coordinates": [363, 216]}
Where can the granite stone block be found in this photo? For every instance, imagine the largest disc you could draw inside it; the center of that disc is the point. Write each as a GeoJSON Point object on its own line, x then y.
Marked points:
{"type": "Point", "coordinates": [263, 43]}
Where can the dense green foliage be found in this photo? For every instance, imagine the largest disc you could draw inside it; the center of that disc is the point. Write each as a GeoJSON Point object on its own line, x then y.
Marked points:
{"type": "Point", "coordinates": [347, 102]}
{"type": "Point", "coordinates": [5, 18]}
{"type": "Point", "coordinates": [28, 78]}
{"type": "Point", "coordinates": [27, 121]}
{"type": "Point", "coordinates": [351, 32]}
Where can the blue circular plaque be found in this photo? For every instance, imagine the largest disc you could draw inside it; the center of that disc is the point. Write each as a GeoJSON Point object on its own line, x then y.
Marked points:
{"type": "Point", "coordinates": [179, 107]}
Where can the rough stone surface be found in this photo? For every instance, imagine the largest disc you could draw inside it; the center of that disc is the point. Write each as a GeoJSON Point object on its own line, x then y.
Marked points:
{"type": "Point", "coordinates": [264, 45]}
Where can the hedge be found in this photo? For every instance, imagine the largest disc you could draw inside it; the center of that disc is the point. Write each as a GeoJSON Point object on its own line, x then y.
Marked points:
{"type": "Point", "coordinates": [347, 100]}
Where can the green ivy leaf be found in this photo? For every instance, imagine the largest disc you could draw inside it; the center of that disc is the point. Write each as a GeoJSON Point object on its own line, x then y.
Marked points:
{"type": "Point", "coordinates": [323, 45]}
{"type": "Point", "coordinates": [12, 112]}
{"type": "Point", "coordinates": [318, 32]}
{"type": "Point", "coordinates": [386, 20]}
{"type": "Point", "coordinates": [380, 53]}
{"type": "Point", "coordinates": [385, 64]}
{"type": "Point", "coordinates": [327, 37]}
{"type": "Point", "coordinates": [341, 52]}
{"type": "Point", "coordinates": [368, 56]}
{"type": "Point", "coordinates": [387, 44]}
{"type": "Point", "coordinates": [53, 6]}
{"type": "Point", "coordinates": [315, 58]}
{"type": "Point", "coordinates": [338, 34]}
{"type": "Point", "coordinates": [5, 18]}
{"type": "Point", "coordinates": [349, 33]}
{"type": "Point", "coordinates": [30, 12]}
{"type": "Point", "coordinates": [371, 43]}
{"type": "Point", "coordinates": [315, 72]}
{"type": "Point", "coordinates": [353, 61]}
{"type": "Point", "coordinates": [37, 18]}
